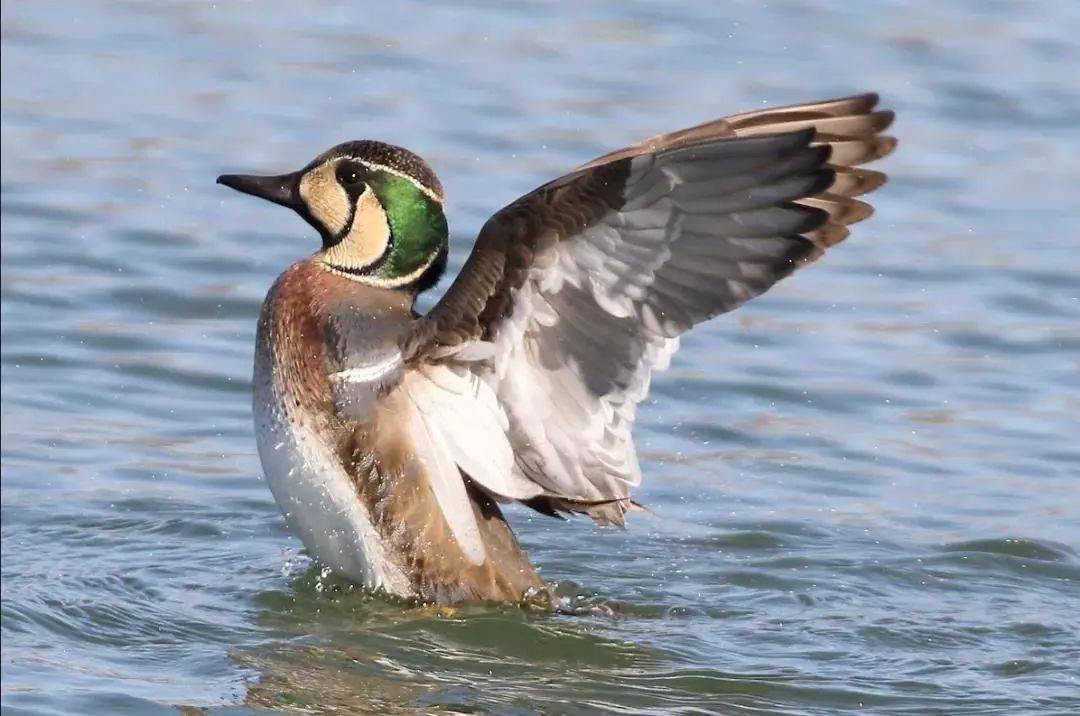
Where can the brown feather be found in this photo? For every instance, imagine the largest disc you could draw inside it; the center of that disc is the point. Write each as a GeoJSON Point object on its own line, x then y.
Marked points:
{"type": "Point", "coordinates": [394, 487]}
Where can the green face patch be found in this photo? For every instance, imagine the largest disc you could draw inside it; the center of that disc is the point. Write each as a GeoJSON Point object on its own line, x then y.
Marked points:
{"type": "Point", "coordinates": [417, 225]}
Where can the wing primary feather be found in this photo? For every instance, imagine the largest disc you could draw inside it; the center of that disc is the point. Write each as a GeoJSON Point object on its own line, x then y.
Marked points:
{"type": "Point", "coordinates": [778, 220]}
{"type": "Point", "coordinates": [805, 160]}
{"type": "Point", "coordinates": [762, 145]}
{"type": "Point", "coordinates": [761, 196]}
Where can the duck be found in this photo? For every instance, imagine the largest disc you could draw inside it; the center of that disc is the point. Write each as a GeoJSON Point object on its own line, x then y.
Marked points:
{"type": "Point", "coordinates": [392, 439]}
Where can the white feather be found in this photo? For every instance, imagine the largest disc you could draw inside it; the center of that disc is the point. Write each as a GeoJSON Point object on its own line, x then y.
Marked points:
{"type": "Point", "coordinates": [431, 447]}
{"type": "Point", "coordinates": [318, 498]}
{"type": "Point", "coordinates": [463, 409]}
{"type": "Point", "coordinates": [370, 372]}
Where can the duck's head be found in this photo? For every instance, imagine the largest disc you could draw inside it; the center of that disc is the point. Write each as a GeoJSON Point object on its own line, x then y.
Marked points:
{"type": "Point", "coordinates": [378, 208]}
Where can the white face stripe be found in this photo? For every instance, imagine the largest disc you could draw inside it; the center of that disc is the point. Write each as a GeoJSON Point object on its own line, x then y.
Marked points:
{"type": "Point", "coordinates": [390, 170]}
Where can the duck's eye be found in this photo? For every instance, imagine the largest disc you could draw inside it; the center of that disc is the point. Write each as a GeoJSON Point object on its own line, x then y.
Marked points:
{"type": "Point", "coordinates": [350, 178]}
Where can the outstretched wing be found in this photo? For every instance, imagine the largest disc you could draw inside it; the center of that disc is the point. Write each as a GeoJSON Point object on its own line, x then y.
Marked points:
{"type": "Point", "coordinates": [575, 293]}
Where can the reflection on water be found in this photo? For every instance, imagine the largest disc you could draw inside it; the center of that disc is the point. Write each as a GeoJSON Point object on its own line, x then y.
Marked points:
{"type": "Point", "coordinates": [862, 487]}
{"type": "Point", "coordinates": [401, 656]}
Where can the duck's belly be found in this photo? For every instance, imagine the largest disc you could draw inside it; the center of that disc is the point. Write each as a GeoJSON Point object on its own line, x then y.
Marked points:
{"type": "Point", "coordinates": [318, 498]}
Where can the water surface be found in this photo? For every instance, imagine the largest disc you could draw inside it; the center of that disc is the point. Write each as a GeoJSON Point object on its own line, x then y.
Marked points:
{"type": "Point", "coordinates": [863, 485]}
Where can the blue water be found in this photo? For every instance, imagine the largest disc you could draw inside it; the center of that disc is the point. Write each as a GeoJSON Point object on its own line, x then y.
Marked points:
{"type": "Point", "coordinates": [864, 485]}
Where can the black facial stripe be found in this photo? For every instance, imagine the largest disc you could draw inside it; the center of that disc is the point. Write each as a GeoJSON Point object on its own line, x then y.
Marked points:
{"type": "Point", "coordinates": [366, 271]}
{"type": "Point", "coordinates": [347, 227]}
{"type": "Point", "coordinates": [373, 267]}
